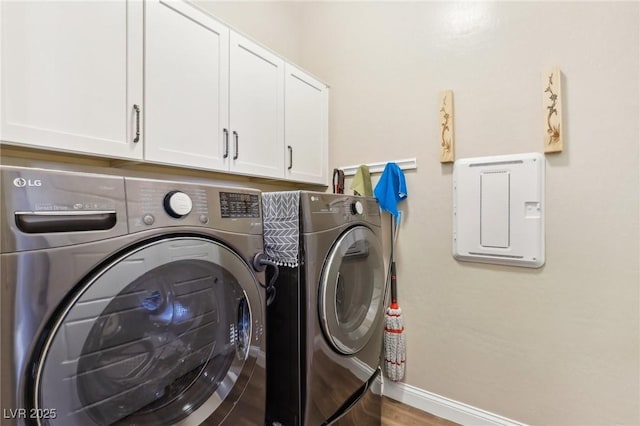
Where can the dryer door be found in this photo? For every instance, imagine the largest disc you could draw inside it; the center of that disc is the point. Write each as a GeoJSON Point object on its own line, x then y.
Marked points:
{"type": "Point", "coordinates": [352, 290]}
{"type": "Point", "coordinates": [162, 335]}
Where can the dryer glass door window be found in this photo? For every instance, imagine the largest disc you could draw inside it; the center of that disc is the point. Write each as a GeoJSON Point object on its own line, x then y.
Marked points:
{"type": "Point", "coordinates": [352, 290]}
{"type": "Point", "coordinates": [159, 336]}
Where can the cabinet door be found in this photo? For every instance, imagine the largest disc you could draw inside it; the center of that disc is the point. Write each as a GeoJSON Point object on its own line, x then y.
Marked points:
{"type": "Point", "coordinates": [256, 109]}
{"type": "Point", "coordinates": [71, 75]}
{"type": "Point", "coordinates": [306, 106]}
{"type": "Point", "coordinates": [186, 86]}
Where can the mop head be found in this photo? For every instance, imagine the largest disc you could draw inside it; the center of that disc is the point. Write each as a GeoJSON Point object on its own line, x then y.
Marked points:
{"type": "Point", "coordinates": [394, 343]}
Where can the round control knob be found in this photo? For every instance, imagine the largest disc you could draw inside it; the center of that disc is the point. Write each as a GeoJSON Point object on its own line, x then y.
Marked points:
{"type": "Point", "coordinates": [177, 204]}
{"type": "Point", "coordinates": [357, 208]}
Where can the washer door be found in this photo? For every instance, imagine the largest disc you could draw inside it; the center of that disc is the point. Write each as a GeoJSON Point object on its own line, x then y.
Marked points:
{"type": "Point", "coordinates": [352, 290]}
{"type": "Point", "coordinates": [158, 337]}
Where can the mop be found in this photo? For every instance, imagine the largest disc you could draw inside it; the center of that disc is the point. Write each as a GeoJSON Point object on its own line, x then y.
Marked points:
{"type": "Point", "coordinates": [394, 337]}
{"type": "Point", "coordinates": [391, 190]}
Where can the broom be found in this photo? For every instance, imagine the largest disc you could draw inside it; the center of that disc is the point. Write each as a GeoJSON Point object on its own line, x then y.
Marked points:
{"type": "Point", "coordinates": [394, 337]}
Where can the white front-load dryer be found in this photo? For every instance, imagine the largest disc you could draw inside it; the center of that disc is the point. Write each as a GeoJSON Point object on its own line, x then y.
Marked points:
{"type": "Point", "coordinates": [129, 301]}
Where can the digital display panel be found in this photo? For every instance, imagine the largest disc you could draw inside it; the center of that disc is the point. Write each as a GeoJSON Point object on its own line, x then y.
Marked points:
{"type": "Point", "coordinates": [237, 205]}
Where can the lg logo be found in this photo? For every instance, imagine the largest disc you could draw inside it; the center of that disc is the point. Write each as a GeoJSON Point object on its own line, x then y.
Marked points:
{"type": "Point", "coordinates": [21, 182]}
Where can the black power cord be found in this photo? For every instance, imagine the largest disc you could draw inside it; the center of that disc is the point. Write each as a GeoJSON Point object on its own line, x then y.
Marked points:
{"type": "Point", "coordinates": [260, 263]}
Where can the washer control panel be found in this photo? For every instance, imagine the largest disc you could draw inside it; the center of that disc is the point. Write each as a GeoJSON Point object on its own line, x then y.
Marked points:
{"type": "Point", "coordinates": [155, 203]}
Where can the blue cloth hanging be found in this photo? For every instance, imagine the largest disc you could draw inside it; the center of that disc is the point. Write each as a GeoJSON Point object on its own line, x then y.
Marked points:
{"type": "Point", "coordinates": [391, 189]}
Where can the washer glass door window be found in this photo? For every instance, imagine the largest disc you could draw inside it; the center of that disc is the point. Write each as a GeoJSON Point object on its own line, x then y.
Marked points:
{"type": "Point", "coordinates": [352, 290]}
{"type": "Point", "coordinates": [157, 337]}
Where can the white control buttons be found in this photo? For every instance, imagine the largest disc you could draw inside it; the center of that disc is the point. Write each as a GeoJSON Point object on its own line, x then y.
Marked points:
{"type": "Point", "coordinates": [177, 204]}
{"type": "Point", "coordinates": [357, 208]}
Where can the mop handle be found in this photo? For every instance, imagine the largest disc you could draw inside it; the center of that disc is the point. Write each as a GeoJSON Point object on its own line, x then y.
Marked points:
{"type": "Point", "coordinates": [394, 288]}
{"type": "Point", "coordinates": [394, 240]}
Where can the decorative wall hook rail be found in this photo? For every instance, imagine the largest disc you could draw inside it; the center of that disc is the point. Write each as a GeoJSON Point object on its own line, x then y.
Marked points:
{"type": "Point", "coordinates": [406, 164]}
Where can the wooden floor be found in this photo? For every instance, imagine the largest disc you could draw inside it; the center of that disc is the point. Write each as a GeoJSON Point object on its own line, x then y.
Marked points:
{"type": "Point", "coordinates": [395, 413]}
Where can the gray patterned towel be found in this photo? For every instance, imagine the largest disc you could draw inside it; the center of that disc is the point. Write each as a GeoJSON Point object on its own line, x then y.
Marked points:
{"type": "Point", "coordinates": [281, 226]}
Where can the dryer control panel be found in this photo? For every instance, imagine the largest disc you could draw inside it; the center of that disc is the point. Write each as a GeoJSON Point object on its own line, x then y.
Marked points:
{"type": "Point", "coordinates": [321, 211]}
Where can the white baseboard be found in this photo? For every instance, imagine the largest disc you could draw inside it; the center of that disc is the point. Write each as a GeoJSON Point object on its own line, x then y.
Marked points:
{"type": "Point", "coordinates": [444, 407]}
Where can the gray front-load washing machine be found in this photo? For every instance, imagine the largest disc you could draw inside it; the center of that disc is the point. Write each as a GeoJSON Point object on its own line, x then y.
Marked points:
{"type": "Point", "coordinates": [129, 301]}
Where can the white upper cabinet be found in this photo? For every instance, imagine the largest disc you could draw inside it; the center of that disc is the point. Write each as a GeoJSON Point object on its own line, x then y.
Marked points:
{"type": "Point", "coordinates": [256, 109]}
{"type": "Point", "coordinates": [186, 86]}
{"type": "Point", "coordinates": [72, 76]}
{"type": "Point", "coordinates": [306, 121]}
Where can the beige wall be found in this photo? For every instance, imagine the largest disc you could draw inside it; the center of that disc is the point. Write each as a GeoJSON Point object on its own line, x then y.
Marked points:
{"type": "Point", "coordinates": [275, 25]}
{"type": "Point", "coordinates": [558, 345]}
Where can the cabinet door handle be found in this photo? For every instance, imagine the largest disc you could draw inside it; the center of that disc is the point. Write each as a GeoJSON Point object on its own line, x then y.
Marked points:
{"type": "Point", "coordinates": [226, 143]}
{"type": "Point", "coordinates": [235, 138]}
{"type": "Point", "coordinates": [290, 157]}
{"type": "Point", "coordinates": [136, 108]}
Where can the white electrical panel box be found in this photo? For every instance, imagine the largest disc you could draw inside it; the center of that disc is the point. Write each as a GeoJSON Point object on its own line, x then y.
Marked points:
{"type": "Point", "coordinates": [498, 210]}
